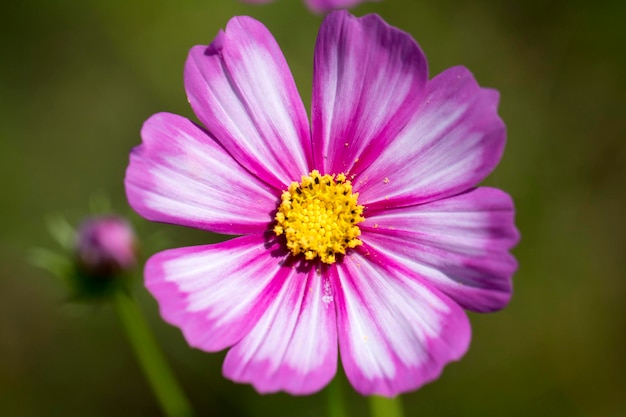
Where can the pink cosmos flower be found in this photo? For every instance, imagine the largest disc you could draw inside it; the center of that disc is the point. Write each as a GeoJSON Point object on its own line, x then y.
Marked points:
{"type": "Point", "coordinates": [362, 234]}
{"type": "Point", "coordinates": [321, 6]}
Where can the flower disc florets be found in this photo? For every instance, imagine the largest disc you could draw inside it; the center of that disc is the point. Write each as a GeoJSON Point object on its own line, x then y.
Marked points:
{"type": "Point", "coordinates": [319, 217]}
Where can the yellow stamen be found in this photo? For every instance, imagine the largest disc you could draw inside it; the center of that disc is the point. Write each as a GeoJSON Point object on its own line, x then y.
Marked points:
{"type": "Point", "coordinates": [319, 217]}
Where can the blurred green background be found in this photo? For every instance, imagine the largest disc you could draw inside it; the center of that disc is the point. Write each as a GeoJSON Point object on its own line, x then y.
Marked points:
{"type": "Point", "coordinates": [78, 78]}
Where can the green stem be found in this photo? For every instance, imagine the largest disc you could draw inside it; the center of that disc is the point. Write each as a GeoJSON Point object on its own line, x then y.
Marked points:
{"type": "Point", "coordinates": [385, 407]}
{"type": "Point", "coordinates": [336, 405]}
{"type": "Point", "coordinates": [160, 377]}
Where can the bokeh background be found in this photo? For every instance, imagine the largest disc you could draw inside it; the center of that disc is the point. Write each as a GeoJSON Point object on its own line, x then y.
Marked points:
{"type": "Point", "coordinates": [78, 78]}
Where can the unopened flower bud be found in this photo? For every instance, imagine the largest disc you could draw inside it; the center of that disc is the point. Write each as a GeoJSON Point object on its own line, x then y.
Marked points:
{"type": "Point", "coordinates": [105, 246]}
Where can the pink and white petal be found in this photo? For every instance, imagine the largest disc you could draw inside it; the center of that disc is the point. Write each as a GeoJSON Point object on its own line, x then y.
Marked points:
{"type": "Point", "coordinates": [455, 140]}
{"type": "Point", "coordinates": [459, 244]}
{"type": "Point", "coordinates": [241, 89]}
{"type": "Point", "coordinates": [293, 346]}
{"type": "Point", "coordinates": [322, 6]}
{"type": "Point", "coordinates": [368, 81]}
{"type": "Point", "coordinates": [216, 293]}
{"type": "Point", "coordinates": [180, 175]}
{"type": "Point", "coordinates": [396, 332]}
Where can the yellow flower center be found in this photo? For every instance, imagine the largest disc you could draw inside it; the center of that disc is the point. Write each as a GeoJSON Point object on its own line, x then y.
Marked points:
{"type": "Point", "coordinates": [319, 217]}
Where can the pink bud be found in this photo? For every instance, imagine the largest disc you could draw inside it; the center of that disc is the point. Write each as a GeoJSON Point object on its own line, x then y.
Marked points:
{"type": "Point", "coordinates": [106, 246]}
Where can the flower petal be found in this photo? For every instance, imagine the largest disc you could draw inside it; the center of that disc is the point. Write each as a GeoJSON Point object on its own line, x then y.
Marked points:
{"type": "Point", "coordinates": [216, 293]}
{"type": "Point", "coordinates": [321, 6]}
{"type": "Point", "coordinates": [459, 244]}
{"type": "Point", "coordinates": [181, 175]}
{"type": "Point", "coordinates": [395, 333]}
{"type": "Point", "coordinates": [241, 88]}
{"type": "Point", "coordinates": [293, 346]}
{"type": "Point", "coordinates": [455, 140]}
{"type": "Point", "coordinates": [368, 81]}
